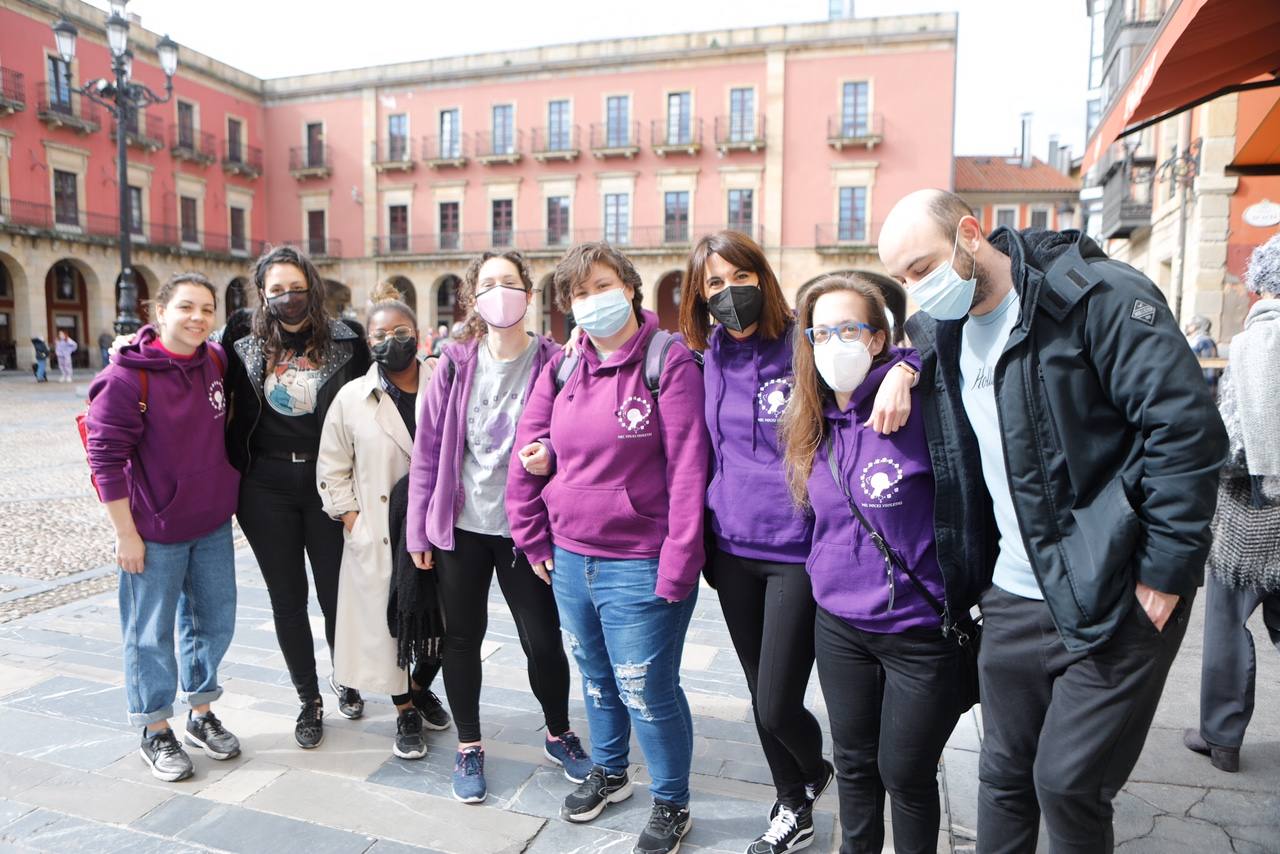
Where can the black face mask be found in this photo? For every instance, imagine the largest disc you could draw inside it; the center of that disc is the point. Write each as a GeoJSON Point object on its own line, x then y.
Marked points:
{"type": "Point", "coordinates": [290, 307]}
{"type": "Point", "coordinates": [395, 355]}
{"type": "Point", "coordinates": [737, 306]}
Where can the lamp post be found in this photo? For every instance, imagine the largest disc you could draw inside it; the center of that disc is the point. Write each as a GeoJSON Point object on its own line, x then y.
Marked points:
{"type": "Point", "coordinates": [1182, 167]}
{"type": "Point", "coordinates": [122, 98]}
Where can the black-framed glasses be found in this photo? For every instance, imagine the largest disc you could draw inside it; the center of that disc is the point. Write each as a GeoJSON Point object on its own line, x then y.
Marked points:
{"type": "Point", "coordinates": [848, 332]}
{"type": "Point", "coordinates": [403, 334]}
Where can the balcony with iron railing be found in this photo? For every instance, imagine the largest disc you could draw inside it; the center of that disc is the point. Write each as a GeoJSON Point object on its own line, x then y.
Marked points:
{"type": "Point", "coordinates": [191, 145]}
{"type": "Point", "coordinates": [739, 133]}
{"type": "Point", "coordinates": [393, 154]}
{"type": "Point", "coordinates": [850, 131]}
{"type": "Point", "coordinates": [670, 238]}
{"type": "Point", "coordinates": [1126, 198]}
{"type": "Point", "coordinates": [59, 108]}
{"type": "Point", "coordinates": [146, 131]}
{"type": "Point", "coordinates": [317, 248]}
{"type": "Point", "coordinates": [13, 93]}
{"type": "Point", "coordinates": [617, 139]}
{"type": "Point", "coordinates": [310, 161]}
{"type": "Point", "coordinates": [849, 235]}
{"type": "Point", "coordinates": [679, 138]}
{"type": "Point", "coordinates": [493, 150]}
{"type": "Point", "coordinates": [240, 159]}
{"type": "Point", "coordinates": [560, 143]}
{"type": "Point", "coordinates": [1135, 21]}
{"type": "Point", "coordinates": [447, 152]}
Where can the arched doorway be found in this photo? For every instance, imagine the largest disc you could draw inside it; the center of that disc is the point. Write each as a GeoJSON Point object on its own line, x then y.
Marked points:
{"type": "Point", "coordinates": [67, 299]}
{"type": "Point", "coordinates": [337, 299]}
{"type": "Point", "coordinates": [555, 323]}
{"type": "Point", "coordinates": [8, 319]}
{"type": "Point", "coordinates": [146, 282]}
{"type": "Point", "coordinates": [446, 289]}
{"type": "Point", "coordinates": [669, 300]}
{"type": "Point", "coordinates": [237, 295]}
{"type": "Point", "coordinates": [408, 293]}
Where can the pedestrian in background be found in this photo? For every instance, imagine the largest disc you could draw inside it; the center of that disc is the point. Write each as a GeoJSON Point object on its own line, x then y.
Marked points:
{"type": "Point", "coordinates": [159, 459]}
{"type": "Point", "coordinates": [41, 350]}
{"type": "Point", "coordinates": [1202, 344]}
{"type": "Point", "coordinates": [1244, 562]}
{"type": "Point", "coordinates": [105, 340]}
{"type": "Point", "coordinates": [63, 347]}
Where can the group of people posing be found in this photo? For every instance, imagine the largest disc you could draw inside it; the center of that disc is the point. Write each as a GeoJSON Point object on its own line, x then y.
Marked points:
{"type": "Point", "coordinates": [1045, 449]}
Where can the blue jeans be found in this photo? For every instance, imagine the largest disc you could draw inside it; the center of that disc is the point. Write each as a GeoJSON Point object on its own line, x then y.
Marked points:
{"type": "Point", "coordinates": [628, 645]}
{"type": "Point", "coordinates": [42, 369]}
{"type": "Point", "coordinates": [194, 582]}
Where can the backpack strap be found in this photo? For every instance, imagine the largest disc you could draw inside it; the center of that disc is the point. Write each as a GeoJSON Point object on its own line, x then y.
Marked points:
{"type": "Point", "coordinates": [566, 368]}
{"type": "Point", "coordinates": [655, 359]}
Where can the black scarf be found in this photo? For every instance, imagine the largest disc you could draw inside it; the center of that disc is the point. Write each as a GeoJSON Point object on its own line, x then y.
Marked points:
{"type": "Point", "coordinates": [413, 609]}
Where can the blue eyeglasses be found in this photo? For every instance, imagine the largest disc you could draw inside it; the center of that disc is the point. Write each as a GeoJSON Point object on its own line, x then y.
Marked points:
{"type": "Point", "coordinates": [847, 332]}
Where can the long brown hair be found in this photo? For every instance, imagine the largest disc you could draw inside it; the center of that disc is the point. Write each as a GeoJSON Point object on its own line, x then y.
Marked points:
{"type": "Point", "coordinates": [265, 324]}
{"type": "Point", "coordinates": [745, 254]}
{"type": "Point", "coordinates": [804, 425]}
{"type": "Point", "coordinates": [474, 325]}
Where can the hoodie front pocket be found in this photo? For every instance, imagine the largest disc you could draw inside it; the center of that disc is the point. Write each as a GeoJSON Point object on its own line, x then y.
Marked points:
{"type": "Point", "coordinates": [201, 501]}
{"type": "Point", "coordinates": [601, 516]}
{"type": "Point", "coordinates": [752, 505]}
{"type": "Point", "coordinates": [849, 580]}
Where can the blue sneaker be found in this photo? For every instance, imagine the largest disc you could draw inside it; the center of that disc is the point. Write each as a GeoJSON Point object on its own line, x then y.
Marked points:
{"type": "Point", "coordinates": [468, 776]}
{"type": "Point", "coordinates": [567, 752]}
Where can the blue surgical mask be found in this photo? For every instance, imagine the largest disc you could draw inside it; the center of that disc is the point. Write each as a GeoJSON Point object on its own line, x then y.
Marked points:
{"type": "Point", "coordinates": [942, 294]}
{"type": "Point", "coordinates": [603, 314]}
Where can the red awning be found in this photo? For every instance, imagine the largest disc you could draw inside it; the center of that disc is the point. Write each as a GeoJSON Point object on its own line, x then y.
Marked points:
{"type": "Point", "coordinates": [1260, 155]}
{"type": "Point", "coordinates": [1202, 46]}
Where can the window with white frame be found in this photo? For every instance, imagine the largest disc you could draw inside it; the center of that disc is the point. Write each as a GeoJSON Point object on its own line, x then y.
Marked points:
{"type": "Point", "coordinates": [450, 134]}
{"type": "Point", "coordinates": [1006, 217]}
{"type": "Point", "coordinates": [503, 212]}
{"type": "Point", "coordinates": [135, 210]}
{"type": "Point", "coordinates": [675, 217]}
{"type": "Point", "coordinates": [237, 222]}
{"type": "Point", "coordinates": [617, 217]}
{"type": "Point", "coordinates": [557, 220]}
{"type": "Point", "coordinates": [558, 133]}
{"type": "Point", "coordinates": [504, 131]}
{"type": "Point", "coordinates": [854, 116]}
{"type": "Point", "coordinates": [852, 225]}
{"type": "Point", "coordinates": [742, 210]}
{"type": "Point", "coordinates": [189, 219]}
{"type": "Point", "coordinates": [742, 114]}
{"type": "Point", "coordinates": [398, 137]}
{"type": "Point", "coordinates": [679, 118]}
{"type": "Point", "coordinates": [618, 121]}
{"type": "Point", "coordinates": [398, 228]}
{"type": "Point", "coordinates": [316, 232]}
{"type": "Point", "coordinates": [1039, 218]}
{"type": "Point", "coordinates": [450, 220]}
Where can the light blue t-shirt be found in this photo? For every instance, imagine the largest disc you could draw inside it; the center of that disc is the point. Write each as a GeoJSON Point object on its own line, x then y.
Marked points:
{"type": "Point", "coordinates": [982, 343]}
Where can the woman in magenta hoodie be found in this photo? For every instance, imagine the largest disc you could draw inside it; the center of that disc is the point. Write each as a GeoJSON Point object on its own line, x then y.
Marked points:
{"type": "Point", "coordinates": [156, 447]}
{"type": "Point", "coordinates": [457, 522]}
{"type": "Point", "coordinates": [617, 530]}
{"type": "Point", "coordinates": [762, 544]}
{"type": "Point", "coordinates": [888, 660]}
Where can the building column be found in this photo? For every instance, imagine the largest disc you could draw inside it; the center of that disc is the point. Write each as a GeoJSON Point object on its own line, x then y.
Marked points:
{"type": "Point", "coordinates": [1209, 220]}
{"type": "Point", "coordinates": [774, 128]}
{"type": "Point", "coordinates": [369, 175]}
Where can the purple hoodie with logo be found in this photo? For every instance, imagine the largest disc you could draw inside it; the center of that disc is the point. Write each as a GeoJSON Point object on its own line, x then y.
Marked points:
{"type": "Point", "coordinates": [631, 472]}
{"type": "Point", "coordinates": [170, 461]}
{"type": "Point", "coordinates": [891, 478]}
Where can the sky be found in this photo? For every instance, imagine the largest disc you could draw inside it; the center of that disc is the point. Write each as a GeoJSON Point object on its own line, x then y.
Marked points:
{"type": "Point", "coordinates": [1015, 56]}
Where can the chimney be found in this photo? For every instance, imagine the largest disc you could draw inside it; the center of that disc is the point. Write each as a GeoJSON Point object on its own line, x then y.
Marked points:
{"type": "Point", "coordinates": [1054, 152]}
{"type": "Point", "coordinates": [1026, 140]}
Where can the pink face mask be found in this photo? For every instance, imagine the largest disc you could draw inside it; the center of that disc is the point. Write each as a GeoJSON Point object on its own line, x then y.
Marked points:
{"type": "Point", "coordinates": [502, 306]}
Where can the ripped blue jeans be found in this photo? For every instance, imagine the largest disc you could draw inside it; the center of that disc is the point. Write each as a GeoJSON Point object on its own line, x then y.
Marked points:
{"type": "Point", "coordinates": [628, 643]}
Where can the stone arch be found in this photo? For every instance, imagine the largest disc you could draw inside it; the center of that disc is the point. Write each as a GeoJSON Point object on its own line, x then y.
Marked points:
{"type": "Point", "coordinates": [69, 287]}
{"type": "Point", "coordinates": [446, 299]}
{"type": "Point", "coordinates": [668, 299]}
{"type": "Point", "coordinates": [148, 285]}
{"type": "Point", "coordinates": [555, 323]}
{"type": "Point", "coordinates": [337, 299]}
{"type": "Point", "coordinates": [408, 293]}
{"type": "Point", "coordinates": [13, 281]}
{"type": "Point", "coordinates": [237, 295]}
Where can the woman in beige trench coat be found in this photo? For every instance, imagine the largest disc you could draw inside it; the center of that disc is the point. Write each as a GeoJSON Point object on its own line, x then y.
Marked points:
{"type": "Point", "coordinates": [364, 451]}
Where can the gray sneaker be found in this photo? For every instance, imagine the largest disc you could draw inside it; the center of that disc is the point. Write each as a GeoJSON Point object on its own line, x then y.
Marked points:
{"type": "Point", "coordinates": [207, 732]}
{"type": "Point", "coordinates": [165, 757]}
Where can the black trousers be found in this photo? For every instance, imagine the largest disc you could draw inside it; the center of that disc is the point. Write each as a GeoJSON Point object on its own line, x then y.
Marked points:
{"type": "Point", "coordinates": [1062, 729]}
{"type": "Point", "coordinates": [1229, 666]}
{"type": "Point", "coordinates": [464, 577]}
{"type": "Point", "coordinates": [281, 516]}
{"type": "Point", "coordinates": [769, 610]}
{"type": "Point", "coordinates": [424, 673]}
{"type": "Point", "coordinates": [892, 700]}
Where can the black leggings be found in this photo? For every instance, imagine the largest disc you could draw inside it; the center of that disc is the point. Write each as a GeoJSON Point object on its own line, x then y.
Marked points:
{"type": "Point", "coordinates": [464, 576]}
{"type": "Point", "coordinates": [424, 673]}
{"type": "Point", "coordinates": [281, 516]}
{"type": "Point", "coordinates": [892, 700]}
{"type": "Point", "coordinates": [769, 610]}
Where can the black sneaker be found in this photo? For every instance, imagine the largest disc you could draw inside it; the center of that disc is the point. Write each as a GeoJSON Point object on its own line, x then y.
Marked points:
{"type": "Point", "coordinates": [207, 732]}
{"type": "Point", "coordinates": [667, 826]}
{"type": "Point", "coordinates": [813, 791]}
{"type": "Point", "coordinates": [409, 743]}
{"type": "Point", "coordinates": [594, 794]}
{"type": "Point", "coordinates": [165, 757]}
{"type": "Point", "coordinates": [350, 703]}
{"type": "Point", "coordinates": [789, 830]}
{"type": "Point", "coordinates": [432, 710]}
{"type": "Point", "coordinates": [309, 731]}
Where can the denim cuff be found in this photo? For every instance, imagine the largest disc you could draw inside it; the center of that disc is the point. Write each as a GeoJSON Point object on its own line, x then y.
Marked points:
{"type": "Point", "coordinates": [145, 718]}
{"type": "Point", "coordinates": [199, 698]}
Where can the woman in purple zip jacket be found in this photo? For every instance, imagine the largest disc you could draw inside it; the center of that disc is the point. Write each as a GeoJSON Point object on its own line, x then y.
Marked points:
{"type": "Point", "coordinates": [617, 530]}
{"type": "Point", "coordinates": [457, 522]}
{"type": "Point", "coordinates": [156, 419]}
{"type": "Point", "coordinates": [762, 544]}
{"type": "Point", "coordinates": [890, 676]}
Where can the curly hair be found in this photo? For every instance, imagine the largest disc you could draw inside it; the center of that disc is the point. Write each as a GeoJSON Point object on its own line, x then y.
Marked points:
{"type": "Point", "coordinates": [1263, 273]}
{"type": "Point", "coordinates": [474, 325]}
{"type": "Point", "coordinates": [265, 324]}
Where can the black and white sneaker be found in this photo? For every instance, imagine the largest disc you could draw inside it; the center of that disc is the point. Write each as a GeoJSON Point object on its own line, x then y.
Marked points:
{"type": "Point", "coordinates": [432, 710]}
{"type": "Point", "coordinates": [309, 731]}
{"type": "Point", "coordinates": [409, 743]}
{"type": "Point", "coordinates": [594, 794]}
{"type": "Point", "coordinates": [789, 830]}
{"type": "Point", "coordinates": [165, 757]}
{"type": "Point", "coordinates": [813, 791]}
{"type": "Point", "coordinates": [667, 827]}
{"type": "Point", "coordinates": [350, 703]}
{"type": "Point", "coordinates": [207, 732]}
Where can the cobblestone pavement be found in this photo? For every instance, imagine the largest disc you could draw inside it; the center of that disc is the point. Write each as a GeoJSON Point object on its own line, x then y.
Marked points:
{"type": "Point", "coordinates": [71, 780]}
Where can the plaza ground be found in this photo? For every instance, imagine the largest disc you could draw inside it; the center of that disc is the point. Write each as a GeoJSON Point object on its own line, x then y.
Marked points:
{"type": "Point", "coordinates": [71, 780]}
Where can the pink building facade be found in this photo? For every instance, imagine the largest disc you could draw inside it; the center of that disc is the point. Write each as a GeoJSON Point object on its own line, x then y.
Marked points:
{"type": "Point", "coordinates": [801, 135]}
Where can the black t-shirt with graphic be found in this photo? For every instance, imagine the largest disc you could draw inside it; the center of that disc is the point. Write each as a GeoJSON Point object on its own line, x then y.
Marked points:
{"type": "Point", "coordinates": [289, 421]}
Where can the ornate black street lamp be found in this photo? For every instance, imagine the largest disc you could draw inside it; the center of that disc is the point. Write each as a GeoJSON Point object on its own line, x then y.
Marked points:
{"type": "Point", "coordinates": [122, 98]}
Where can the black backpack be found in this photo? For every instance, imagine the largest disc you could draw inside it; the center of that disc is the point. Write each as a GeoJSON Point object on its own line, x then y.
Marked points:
{"type": "Point", "coordinates": [655, 359]}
